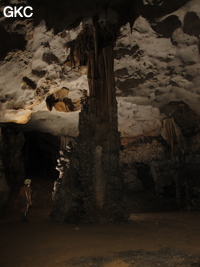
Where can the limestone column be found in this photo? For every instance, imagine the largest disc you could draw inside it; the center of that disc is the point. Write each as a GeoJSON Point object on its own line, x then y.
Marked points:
{"type": "Point", "coordinates": [92, 188]}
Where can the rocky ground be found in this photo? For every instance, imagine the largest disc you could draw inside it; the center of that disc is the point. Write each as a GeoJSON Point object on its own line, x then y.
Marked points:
{"type": "Point", "coordinates": [148, 239]}
{"type": "Point", "coordinates": [156, 239]}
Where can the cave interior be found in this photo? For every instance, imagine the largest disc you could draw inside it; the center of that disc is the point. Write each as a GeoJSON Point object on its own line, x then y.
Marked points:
{"type": "Point", "coordinates": [101, 175]}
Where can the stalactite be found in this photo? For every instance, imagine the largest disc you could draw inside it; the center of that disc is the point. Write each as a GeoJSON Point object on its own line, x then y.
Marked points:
{"type": "Point", "coordinates": [172, 134]}
{"type": "Point", "coordinates": [179, 149]}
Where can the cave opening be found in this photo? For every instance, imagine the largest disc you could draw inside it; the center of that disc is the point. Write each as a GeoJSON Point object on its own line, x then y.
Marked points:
{"type": "Point", "coordinates": [41, 151]}
{"type": "Point", "coordinates": [144, 175]}
{"type": "Point", "coordinates": [27, 155]}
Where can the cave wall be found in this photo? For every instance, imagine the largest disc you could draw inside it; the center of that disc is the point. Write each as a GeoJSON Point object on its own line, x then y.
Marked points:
{"type": "Point", "coordinates": [11, 162]}
{"type": "Point", "coordinates": [173, 177]}
{"type": "Point", "coordinates": [153, 68]}
{"type": "Point", "coordinates": [4, 188]}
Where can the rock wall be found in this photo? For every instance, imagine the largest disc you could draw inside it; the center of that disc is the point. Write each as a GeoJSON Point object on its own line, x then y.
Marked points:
{"type": "Point", "coordinates": [174, 179]}
{"type": "Point", "coordinates": [4, 189]}
{"type": "Point", "coordinates": [11, 161]}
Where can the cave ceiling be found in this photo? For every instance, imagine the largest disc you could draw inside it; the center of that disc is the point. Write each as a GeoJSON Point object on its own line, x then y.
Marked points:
{"type": "Point", "coordinates": [156, 62]}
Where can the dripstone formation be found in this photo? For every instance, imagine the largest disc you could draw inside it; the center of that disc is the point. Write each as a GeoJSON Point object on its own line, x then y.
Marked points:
{"type": "Point", "coordinates": [91, 187]}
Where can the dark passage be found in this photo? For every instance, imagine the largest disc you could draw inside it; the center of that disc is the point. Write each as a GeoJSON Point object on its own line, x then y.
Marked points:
{"type": "Point", "coordinates": [41, 151]}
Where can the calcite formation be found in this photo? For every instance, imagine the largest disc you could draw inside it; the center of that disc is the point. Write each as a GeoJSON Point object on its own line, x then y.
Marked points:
{"type": "Point", "coordinates": [91, 187]}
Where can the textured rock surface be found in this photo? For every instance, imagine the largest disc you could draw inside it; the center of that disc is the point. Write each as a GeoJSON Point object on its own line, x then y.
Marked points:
{"type": "Point", "coordinates": [155, 64]}
{"type": "Point", "coordinates": [4, 188]}
{"type": "Point", "coordinates": [156, 67]}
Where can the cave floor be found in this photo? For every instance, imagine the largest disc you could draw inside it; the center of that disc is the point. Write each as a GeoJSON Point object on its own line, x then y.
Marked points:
{"type": "Point", "coordinates": [147, 240]}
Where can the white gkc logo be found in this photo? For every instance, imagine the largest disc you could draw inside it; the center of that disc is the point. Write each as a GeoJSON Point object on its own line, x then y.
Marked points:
{"type": "Point", "coordinates": [10, 12]}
